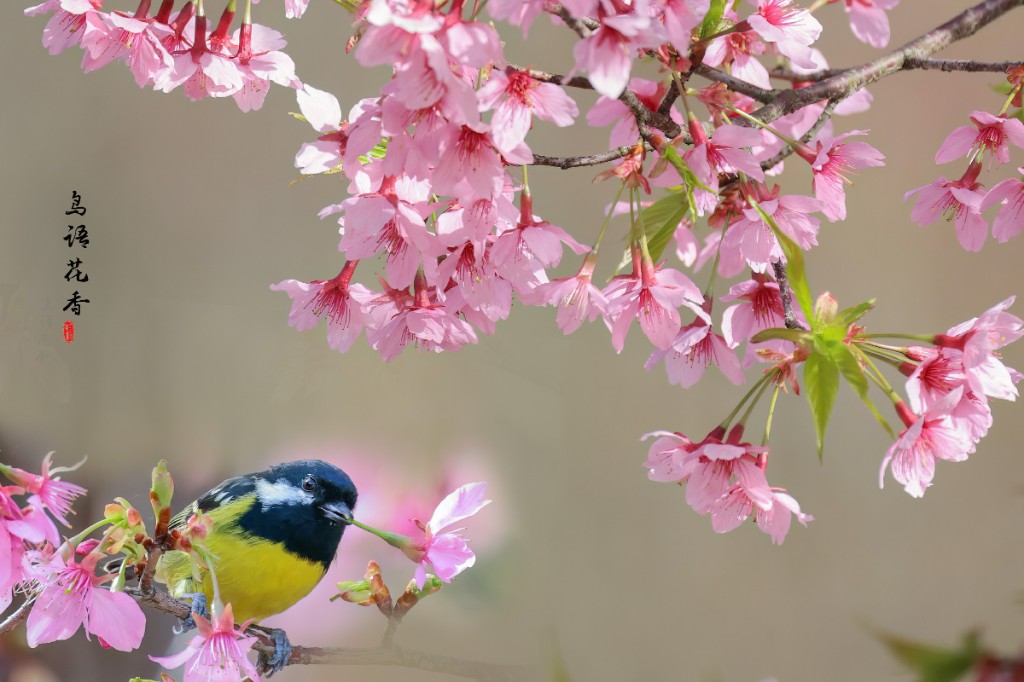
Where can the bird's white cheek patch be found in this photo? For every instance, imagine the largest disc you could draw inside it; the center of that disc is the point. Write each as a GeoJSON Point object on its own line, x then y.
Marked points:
{"type": "Point", "coordinates": [280, 492]}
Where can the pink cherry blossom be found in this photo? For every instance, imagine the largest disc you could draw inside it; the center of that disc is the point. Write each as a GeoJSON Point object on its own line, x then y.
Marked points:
{"type": "Point", "coordinates": [322, 111]}
{"type": "Point", "coordinates": [342, 302]}
{"type": "Point", "coordinates": [927, 438]}
{"type": "Point", "coordinates": [668, 459]}
{"type": "Point", "coordinates": [52, 493]}
{"type": "Point", "coordinates": [679, 18]}
{"type": "Point", "coordinates": [833, 165]}
{"type": "Point", "coordinates": [516, 98]}
{"type": "Point", "coordinates": [955, 199]}
{"type": "Point", "coordinates": [293, 9]}
{"type": "Point", "coordinates": [717, 464]}
{"type": "Point", "coordinates": [1009, 195]}
{"type": "Point", "coordinates": [868, 20]}
{"type": "Point", "coordinates": [516, 12]}
{"type": "Point", "coordinates": [981, 336]}
{"type": "Point", "coordinates": [693, 350]}
{"type": "Point", "coordinates": [398, 318]}
{"type": "Point", "coordinates": [578, 300]}
{"type": "Point", "coordinates": [791, 29]}
{"type": "Point", "coordinates": [534, 239]}
{"type": "Point", "coordinates": [260, 61]}
{"type": "Point", "coordinates": [990, 133]}
{"type": "Point", "coordinates": [130, 38]}
{"type": "Point", "coordinates": [72, 596]}
{"type": "Point", "coordinates": [754, 238]}
{"type": "Point", "coordinates": [776, 520]}
{"type": "Point", "coordinates": [202, 72]}
{"type": "Point", "coordinates": [740, 50]}
{"type": "Point", "coordinates": [607, 53]}
{"type": "Point", "coordinates": [65, 27]}
{"type": "Point", "coordinates": [723, 153]}
{"type": "Point", "coordinates": [653, 296]}
{"type": "Point", "coordinates": [219, 652]}
{"type": "Point", "coordinates": [470, 167]}
{"type": "Point", "coordinates": [447, 553]}
{"type": "Point", "coordinates": [611, 110]}
{"type": "Point", "coordinates": [761, 308]}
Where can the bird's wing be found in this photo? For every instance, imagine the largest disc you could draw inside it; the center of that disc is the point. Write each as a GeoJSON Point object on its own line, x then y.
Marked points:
{"type": "Point", "coordinates": [228, 491]}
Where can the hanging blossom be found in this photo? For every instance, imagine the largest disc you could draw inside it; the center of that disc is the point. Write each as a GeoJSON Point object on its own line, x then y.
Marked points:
{"type": "Point", "coordinates": [832, 165]}
{"type": "Point", "coordinates": [167, 53]}
{"type": "Point", "coordinates": [218, 652]}
{"type": "Point", "coordinates": [958, 200]}
{"type": "Point", "coordinates": [949, 387]}
{"type": "Point", "coordinates": [725, 480]}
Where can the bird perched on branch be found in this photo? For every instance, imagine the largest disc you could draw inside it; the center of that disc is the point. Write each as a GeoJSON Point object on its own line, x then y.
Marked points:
{"type": "Point", "coordinates": [269, 538]}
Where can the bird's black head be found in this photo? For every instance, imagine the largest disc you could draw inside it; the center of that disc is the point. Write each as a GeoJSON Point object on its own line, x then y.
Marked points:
{"type": "Point", "coordinates": [305, 505]}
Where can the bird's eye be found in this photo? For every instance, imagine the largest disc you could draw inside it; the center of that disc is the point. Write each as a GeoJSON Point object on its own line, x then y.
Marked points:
{"type": "Point", "coordinates": [308, 483]}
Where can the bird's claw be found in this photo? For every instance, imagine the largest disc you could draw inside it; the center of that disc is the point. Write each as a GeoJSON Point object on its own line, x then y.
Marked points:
{"type": "Point", "coordinates": [271, 664]}
{"type": "Point", "coordinates": [199, 606]}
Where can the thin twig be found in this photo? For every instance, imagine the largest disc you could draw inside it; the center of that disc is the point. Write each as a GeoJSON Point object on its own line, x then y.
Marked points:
{"type": "Point", "coordinates": [967, 65]}
{"type": "Point", "coordinates": [567, 162]}
{"type": "Point", "coordinates": [786, 294]}
{"type": "Point", "coordinates": [736, 84]}
{"type": "Point", "coordinates": [841, 85]}
{"type": "Point", "coordinates": [159, 600]}
{"type": "Point", "coordinates": [558, 79]}
{"type": "Point", "coordinates": [12, 620]}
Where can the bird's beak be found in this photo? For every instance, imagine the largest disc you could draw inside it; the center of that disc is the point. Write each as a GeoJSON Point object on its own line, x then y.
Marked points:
{"type": "Point", "coordinates": [337, 513]}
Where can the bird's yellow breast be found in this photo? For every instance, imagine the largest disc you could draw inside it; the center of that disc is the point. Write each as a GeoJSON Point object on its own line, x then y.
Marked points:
{"type": "Point", "coordinates": [258, 577]}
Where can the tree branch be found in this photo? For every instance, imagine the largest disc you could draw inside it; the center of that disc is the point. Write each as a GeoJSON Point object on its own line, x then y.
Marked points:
{"type": "Point", "coordinates": [160, 600]}
{"type": "Point", "coordinates": [843, 84]}
{"type": "Point", "coordinates": [787, 150]}
{"type": "Point", "coordinates": [787, 296]}
{"type": "Point", "coordinates": [558, 79]}
{"type": "Point", "coordinates": [19, 615]}
{"type": "Point", "coordinates": [736, 85]}
{"type": "Point", "coordinates": [967, 65]}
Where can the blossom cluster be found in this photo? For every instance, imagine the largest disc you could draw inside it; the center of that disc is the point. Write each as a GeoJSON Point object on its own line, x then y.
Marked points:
{"type": "Point", "coordinates": [964, 200]}
{"type": "Point", "coordinates": [430, 193]}
{"type": "Point", "coordinates": [725, 478]}
{"type": "Point", "coordinates": [949, 386]}
{"type": "Point", "coordinates": [68, 593]}
{"type": "Point", "coordinates": [165, 52]}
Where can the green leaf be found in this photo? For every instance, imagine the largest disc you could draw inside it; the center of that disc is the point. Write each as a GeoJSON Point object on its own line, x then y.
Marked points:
{"type": "Point", "coordinates": [851, 315]}
{"type": "Point", "coordinates": [931, 663]}
{"type": "Point", "coordinates": [794, 335]}
{"type": "Point", "coordinates": [821, 381]}
{"type": "Point", "coordinates": [712, 19]}
{"type": "Point", "coordinates": [660, 221]}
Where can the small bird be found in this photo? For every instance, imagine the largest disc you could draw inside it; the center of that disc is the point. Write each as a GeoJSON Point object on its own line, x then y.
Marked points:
{"type": "Point", "coordinates": [272, 535]}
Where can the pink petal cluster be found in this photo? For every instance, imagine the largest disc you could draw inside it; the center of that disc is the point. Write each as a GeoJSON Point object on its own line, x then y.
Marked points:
{"type": "Point", "coordinates": [72, 596]}
{"type": "Point", "coordinates": [168, 53]}
{"type": "Point", "coordinates": [949, 387]}
{"type": "Point", "coordinates": [218, 652]}
{"type": "Point", "coordinates": [724, 479]}
{"type": "Point", "coordinates": [446, 552]}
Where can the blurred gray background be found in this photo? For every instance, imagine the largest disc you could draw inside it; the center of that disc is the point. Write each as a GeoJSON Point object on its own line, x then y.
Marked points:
{"type": "Point", "coordinates": [185, 354]}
